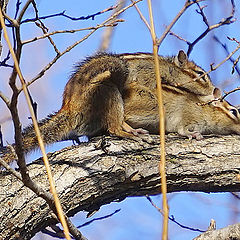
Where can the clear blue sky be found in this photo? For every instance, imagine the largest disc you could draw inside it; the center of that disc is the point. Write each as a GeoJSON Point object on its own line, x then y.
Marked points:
{"type": "Point", "coordinates": [137, 218]}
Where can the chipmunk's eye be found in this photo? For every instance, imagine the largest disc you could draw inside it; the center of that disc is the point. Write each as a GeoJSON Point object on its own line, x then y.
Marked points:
{"type": "Point", "coordinates": [200, 73]}
{"type": "Point", "coordinates": [234, 112]}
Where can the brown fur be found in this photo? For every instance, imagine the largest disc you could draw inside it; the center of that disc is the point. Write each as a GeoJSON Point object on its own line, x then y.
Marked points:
{"type": "Point", "coordinates": [116, 94]}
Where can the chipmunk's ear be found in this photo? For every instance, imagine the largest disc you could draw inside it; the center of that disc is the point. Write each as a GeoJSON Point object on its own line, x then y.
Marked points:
{"type": "Point", "coordinates": [217, 93]}
{"type": "Point", "coordinates": [181, 59]}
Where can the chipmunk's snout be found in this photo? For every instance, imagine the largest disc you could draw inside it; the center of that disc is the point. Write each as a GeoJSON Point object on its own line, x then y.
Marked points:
{"type": "Point", "coordinates": [233, 112]}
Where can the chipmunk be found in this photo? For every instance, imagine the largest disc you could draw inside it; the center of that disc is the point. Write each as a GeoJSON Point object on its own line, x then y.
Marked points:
{"type": "Point", "coordinates": [176, 71]}
{"type": "Point", "coordinates": [185, 113]}
{"type": "Point", "coordinates": [95, 99]}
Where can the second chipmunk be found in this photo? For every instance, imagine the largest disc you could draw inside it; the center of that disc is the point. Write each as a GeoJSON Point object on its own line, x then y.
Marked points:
{"type": "Point", "coordinates": [116, 94]}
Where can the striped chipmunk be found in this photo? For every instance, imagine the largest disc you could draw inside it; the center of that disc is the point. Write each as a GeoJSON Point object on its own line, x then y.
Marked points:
{"type": "Point", "coordinates": [116, 94]}
{"type": "Point", "coordinates": [185, 113]}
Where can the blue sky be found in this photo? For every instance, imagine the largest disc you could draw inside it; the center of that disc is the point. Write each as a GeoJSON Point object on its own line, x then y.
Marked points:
{"type": "Point", "coordinates": [137, 218]}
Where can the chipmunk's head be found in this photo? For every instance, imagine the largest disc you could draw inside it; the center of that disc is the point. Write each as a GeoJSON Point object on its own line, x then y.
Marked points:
{"type": "Point", "coordinates": [195, 74]}
{"type": "Point", "coordinates": [230, 110]}
{"type": "Point", "coordinates": [218, 117]}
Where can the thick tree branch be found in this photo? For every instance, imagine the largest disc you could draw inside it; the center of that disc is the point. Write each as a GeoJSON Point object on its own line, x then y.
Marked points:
{"type": "Point", "coordinates": [88, 177]}
{"type": "Point", "coordinates": [230, 232]}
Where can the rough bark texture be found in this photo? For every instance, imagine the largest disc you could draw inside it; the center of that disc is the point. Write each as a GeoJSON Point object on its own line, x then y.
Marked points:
{"type": "Point", "coordinates": [91, 175]}
{"type": "Point", "coordinates": [231, 232]}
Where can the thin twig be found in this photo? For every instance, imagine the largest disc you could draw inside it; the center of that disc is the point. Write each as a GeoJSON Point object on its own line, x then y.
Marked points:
{"type": "Point", "coordinates": [40, 141]}
{"type": "Point", "coordinates": [235, 195]}
{"type": "Point", "coordinates": [18, 3]}
{"type": "Point", "coordinates": [224, 46]}
{"type": "Point", "coordinates": [99, 218]}
{"type": "Point", "coordinates": [225, 21]}
{"type": "Point", "coordinates": [25, 7]}
{"type": "Point", "coordinates": [172, 218]}
{"type": "Point", "coordinates": [11, 170]}
{"type": "Point", "coordinates": [43, 28]}
{"type": "Point", "coordinates": [205, 20]}
{"type": "Point", "coordinates": [235, 65]}
{"type": "Point", "coordinates": [108, 32]}
{"type": "Point", "coordinates": [179, 37]}
{"type": "Point", "coordinates": [169, 27]}
{"type": "Point", "coordinates": [4, 61]}
{"type": "Point", "coordinates": [162, 162]}
{"type": "Point", "coordinates": [92, 16]}
{"type": "Point", "coordinates": [1, 137]}
{"type": "Point", "coordinates": [142, 17]}
{"type": "Point", "coordinates": [227, 93]}
{"type": "Point", "coordinates": [49, 65]}
{"type": "Point", "coordinates": [213, 68]}
{"type": "Point", "coordinates": [112, 24]}
{"type": "Point", "coordinates": [5, 99]}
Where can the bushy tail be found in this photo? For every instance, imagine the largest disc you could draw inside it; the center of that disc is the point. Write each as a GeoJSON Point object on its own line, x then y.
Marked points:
{"type": "Point", "coordinates": [53, 128]}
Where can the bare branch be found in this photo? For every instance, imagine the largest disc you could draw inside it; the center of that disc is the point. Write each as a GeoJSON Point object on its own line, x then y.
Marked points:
{"type": "Point", "coordinates": [142, 17]}
{"type": "Point", "coordinates": [49, 65]}
{"type": "Point", "coordinates": [4, 63]}
{"type": "Point", "coordinates": [25, 7]}
{"type": "Point", "coordinates": [180, 13]}
{"type": "Point", "coordinates": [112, 24]}
{"type": "Point", "coordinates": [172, 218]}
{"type": "Point", "coordinates": [224, 46]}
{"type": "Point", "coordinates": [97, 219]}
{"type": "Point", "coordinates": [128, 168]}
{"type": "Point", "coordinates": [235, 195]}
{"type": "Point", "coordinates": [179, 37]}
{"type": "Point", "coordinates": [202, 14]}
{"type": "Point", "coordinates": [19, 144]}
{"type": "Point", "coordinates": [18, 3]}
{"type": "Point", "coordinates": [162, 162]}
{"type": "Point", "coordinates": [1, 138]}
{"type": "Point", "coordinates": [44, 28]}
{"type": "Point", "coordinates": [235, 65]}
{"type": "Point", "coordinates": [92, 16]}
{"type": "Point", "coordinates": [5, 99]}
{"type": "Point", "coordinates": [213, 68]}
{"type": "Point", "coordinates": [225, 21]}
{"type": "Point", "coordinates": [11, 170]}
{"type": "Point", "coordinates": [227, 93]}
{"type": "Point", "coordinates": [107, 35]}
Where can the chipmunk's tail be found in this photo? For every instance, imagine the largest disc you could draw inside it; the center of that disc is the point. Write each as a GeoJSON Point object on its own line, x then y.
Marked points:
{"type": "Point", "coordinates": [55, 127]}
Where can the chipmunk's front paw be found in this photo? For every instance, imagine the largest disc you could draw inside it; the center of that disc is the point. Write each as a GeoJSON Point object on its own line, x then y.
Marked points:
{"type": "Point", "coordinates": [196, 135]}
{"type": "Point", "coordinates": [190, 133]}
{"type": "Point", "coordinates": [138, 131]}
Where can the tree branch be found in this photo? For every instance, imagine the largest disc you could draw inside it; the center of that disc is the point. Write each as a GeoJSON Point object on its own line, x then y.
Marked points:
{"type": "Point", "coordinates": [225, 21]}
{"type": "Point", "coordinates": [69, 48]}
{"type": "Point", "coordinates": [230, 232]}
{"type": "Point", "coordinates": [91, 16]}
{"type": "Point", "coordinates": [88, 177]}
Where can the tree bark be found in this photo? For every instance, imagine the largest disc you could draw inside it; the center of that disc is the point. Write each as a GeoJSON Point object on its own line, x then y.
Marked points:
{"type": "Point", "coordinates": [110, 169]}
{"type": "Point", "coordinates": [231, 232]}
